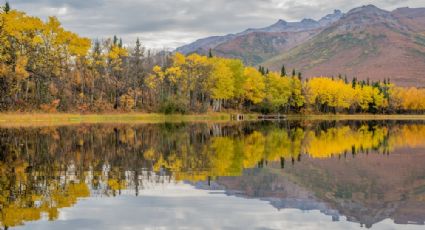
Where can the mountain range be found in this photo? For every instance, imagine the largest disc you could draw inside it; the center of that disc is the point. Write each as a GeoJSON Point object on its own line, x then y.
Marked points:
{"type": "Point", "coordinates": [366, 42]}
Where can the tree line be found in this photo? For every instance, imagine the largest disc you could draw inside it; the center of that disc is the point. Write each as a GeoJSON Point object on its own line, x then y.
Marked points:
{"type": "Point", "coordinates": [44, 67]}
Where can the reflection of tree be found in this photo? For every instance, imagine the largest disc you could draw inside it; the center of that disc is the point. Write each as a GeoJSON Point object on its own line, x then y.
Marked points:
{"type": "Point", "coordinates": [44, 169]}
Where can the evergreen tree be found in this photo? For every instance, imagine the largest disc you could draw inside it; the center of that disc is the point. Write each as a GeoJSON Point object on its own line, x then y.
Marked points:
{"type": "Point", "coordinates": [6, 7]}
{"type": "Point", "coordinates": [210, 55]}
{"type": "Point", "coordinates": [137, 74]}
{"type": "Point", "coordinates": [299, 76]}
{"type": "Point", "coordinates": [354, 82]}
{"type": "Point", "coordinates": [262, 70]}
{"type": "Point", "coordinates": [283, 71]}
{"type": "Point", "coordinates": [294, 73]}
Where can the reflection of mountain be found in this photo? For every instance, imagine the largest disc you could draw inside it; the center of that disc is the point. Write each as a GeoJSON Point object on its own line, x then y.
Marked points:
{"type": "Point", "coordinates": [366, 189]}
{"type": "Point", "coordinates": [270, 185]}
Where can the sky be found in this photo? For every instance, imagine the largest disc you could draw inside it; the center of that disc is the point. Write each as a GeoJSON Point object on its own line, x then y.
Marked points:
{"type": "Point", "coordinates": [184, 206]}
{"type": "Point", "coordinates": [167, 24]}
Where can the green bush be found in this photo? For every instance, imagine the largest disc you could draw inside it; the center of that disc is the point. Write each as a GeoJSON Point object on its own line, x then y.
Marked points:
{"type": "Point", "coordinates": [173, 106]}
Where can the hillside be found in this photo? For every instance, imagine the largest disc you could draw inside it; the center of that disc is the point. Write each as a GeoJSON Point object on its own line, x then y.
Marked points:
{"type": "Point", "coordinates": [366, 42]}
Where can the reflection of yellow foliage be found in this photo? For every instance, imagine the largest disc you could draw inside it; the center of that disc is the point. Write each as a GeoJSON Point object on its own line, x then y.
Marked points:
{"type": "Point", "coordinates": [149, 154]}
{"type": "Point", "coordinates": [221, 156]}
{"type": "Point", "coordinates": [253, 149]}
{"type": "Point", "coordinates": [280, 144]}
{"type": "Point", "coordinates": [336, 141]}
{"type": "Point", "coordinates": [408, 136]}
{"type": "Point", "coordinates": [24, 209]}
{"type": "Point", "coordinates": [116, 185]}
{"type": "Point", "coordinates": [159, 164]}
{"type": "Point", "coordinates": [127, 136]}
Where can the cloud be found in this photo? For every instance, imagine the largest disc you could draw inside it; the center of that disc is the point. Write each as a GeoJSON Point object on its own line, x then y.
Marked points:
{"type": "Point", "coordinates": [182, 206]}
{"type": "Point", "coordinates": [170, 23]}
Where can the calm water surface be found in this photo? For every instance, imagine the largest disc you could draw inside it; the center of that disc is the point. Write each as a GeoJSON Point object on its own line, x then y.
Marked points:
{"type": "Point", "coordinates": [259, 175]}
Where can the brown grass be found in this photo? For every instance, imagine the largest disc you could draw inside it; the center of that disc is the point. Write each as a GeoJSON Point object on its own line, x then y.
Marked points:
{"type": "Point", "coordinates": [61, 119]}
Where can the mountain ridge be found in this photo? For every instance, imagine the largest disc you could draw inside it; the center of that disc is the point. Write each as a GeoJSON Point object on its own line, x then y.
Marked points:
{"type": "Point", "coordinates": [204, 44]}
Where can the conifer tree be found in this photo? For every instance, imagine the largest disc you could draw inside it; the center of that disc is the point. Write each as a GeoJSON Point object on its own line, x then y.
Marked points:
{"type": "Point", "coordinates": [283, 71]}
{"type": "Point", "coordinates": [6, 7]}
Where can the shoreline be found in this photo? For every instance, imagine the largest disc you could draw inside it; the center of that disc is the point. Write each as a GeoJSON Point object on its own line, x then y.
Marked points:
{"type": "Point", "coordinates": [62, 119]}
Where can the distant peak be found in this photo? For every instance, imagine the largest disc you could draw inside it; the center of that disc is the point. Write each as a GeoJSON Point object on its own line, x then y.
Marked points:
{"type": "Point", "coordinates": [308, 20]}
{"type": "Point", "coordinates": [367, 9]}
{"type": "Point", "coordinates": [371, 6]}
{"type": "Point", "coordinates": [330, 18]}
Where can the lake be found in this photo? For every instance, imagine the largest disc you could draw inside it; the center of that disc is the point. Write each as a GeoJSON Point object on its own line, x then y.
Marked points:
{"type": "Point", "coordinates": [245, 175]}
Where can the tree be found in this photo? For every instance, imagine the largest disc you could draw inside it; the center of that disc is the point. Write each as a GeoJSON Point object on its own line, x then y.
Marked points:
{"type": "Point", "coordinates": [293, 73]}
{"type": "Point", "coordinates": [297, 98]}
{"type": "Point", "coordinates": [278, 91]}
{"type": "Point", "coordinates": [222, 83]}
{"type": "Point", "coordinates": [283, 71]}
{"type": "Point", "coordinates": [137, 72]}
{"type": "Point", "coordinates": [97, 64]}
{"type": "Point", "coordinates": [254, 85]}
{"type": "Point", "coordinates": [6, 7]}
{"type": "Point", "coordinates": [116, 58]}
{"type": "Point", "coordinates": [210, 55]}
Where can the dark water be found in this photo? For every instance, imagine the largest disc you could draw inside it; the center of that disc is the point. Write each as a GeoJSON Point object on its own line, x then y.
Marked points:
{"type": "Point", "coordinates": [262, 175]}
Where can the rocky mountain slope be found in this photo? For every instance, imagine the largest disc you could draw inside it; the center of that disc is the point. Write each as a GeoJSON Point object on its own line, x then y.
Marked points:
{"type": "Point", "coordinates": [366, 42]}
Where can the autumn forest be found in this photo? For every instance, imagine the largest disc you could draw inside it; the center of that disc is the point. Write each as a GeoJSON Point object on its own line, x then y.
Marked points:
{"type": "Point", "coordinates": [45, 68]}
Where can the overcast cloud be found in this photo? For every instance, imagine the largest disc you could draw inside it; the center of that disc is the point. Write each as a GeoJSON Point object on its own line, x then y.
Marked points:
{"type": "Point", "coordinates": [171, 23]}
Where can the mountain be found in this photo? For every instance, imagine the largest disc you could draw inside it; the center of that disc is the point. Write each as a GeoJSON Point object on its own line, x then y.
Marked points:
{"type": "Point", "coordinates": [257, 45]}
{"type": "Point", "coordinates": [303, 25]}
{"type": "Point", "coordinates": [366, 42]}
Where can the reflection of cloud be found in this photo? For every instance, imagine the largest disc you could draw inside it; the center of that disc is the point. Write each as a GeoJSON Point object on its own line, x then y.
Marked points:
{"type": "Point", "coordinates": [165, 21]}
{"type": "Point", "coordinates": [197, 209]}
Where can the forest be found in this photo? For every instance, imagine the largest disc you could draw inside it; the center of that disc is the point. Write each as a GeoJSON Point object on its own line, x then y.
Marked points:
{"type": "Point", "coordinates": [45, 68]}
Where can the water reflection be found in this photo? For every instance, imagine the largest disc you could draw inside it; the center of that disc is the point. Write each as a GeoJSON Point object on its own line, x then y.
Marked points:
{"type": "Point", "coordinates": [366, 171]}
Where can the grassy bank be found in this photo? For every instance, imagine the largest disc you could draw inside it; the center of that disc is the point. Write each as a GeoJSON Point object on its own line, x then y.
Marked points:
{"type": "Point", "coordinates": [55, 119]}
{"type": "Point", "coordinates": [341, 117]}
{"type": "Point", "coordinates": [40, 119]}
